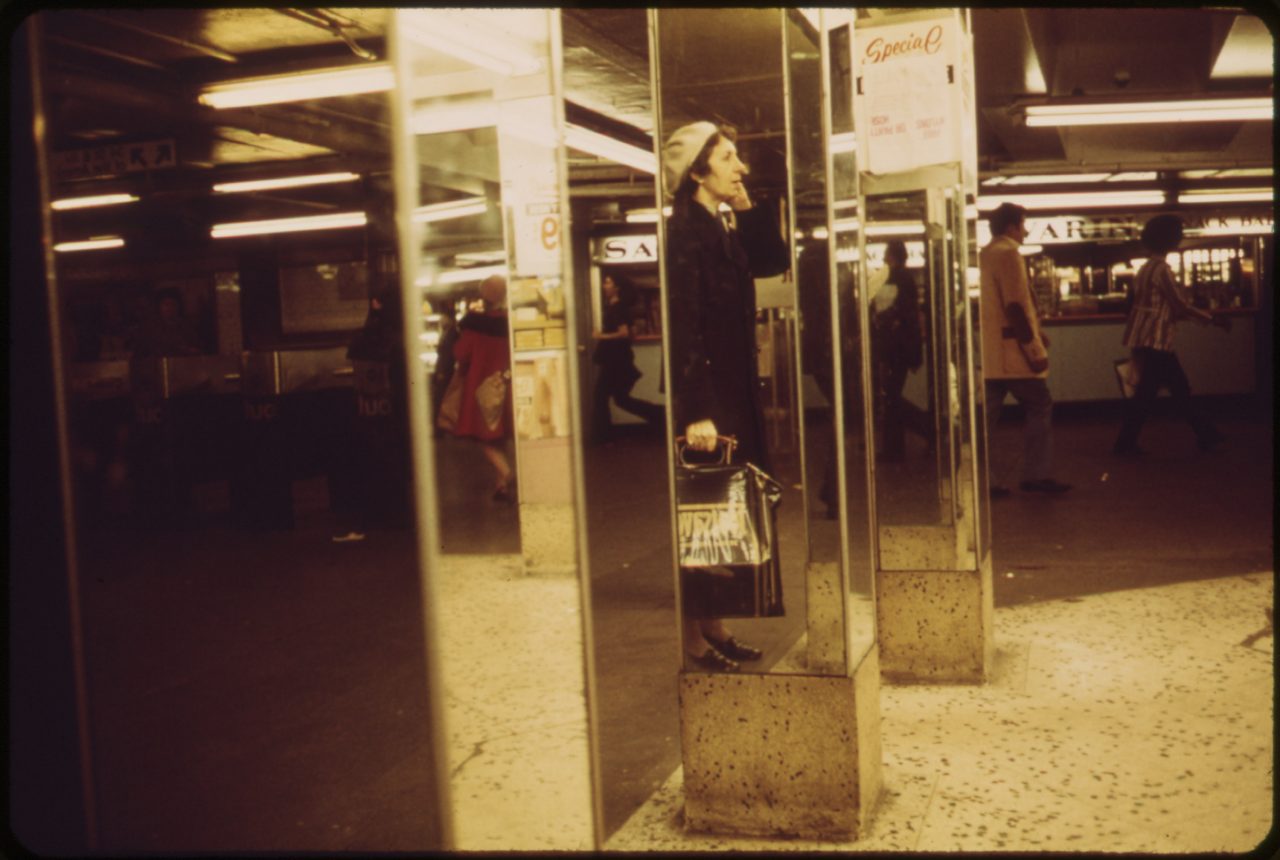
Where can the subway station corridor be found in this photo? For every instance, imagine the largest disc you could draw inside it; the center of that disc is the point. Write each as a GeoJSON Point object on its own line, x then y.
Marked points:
{"type": "Point", "coordinates": [1130, 707]}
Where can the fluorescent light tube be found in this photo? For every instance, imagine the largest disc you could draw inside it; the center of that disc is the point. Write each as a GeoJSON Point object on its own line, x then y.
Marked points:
{"type": "Point", "coordinates": [86, 202]}
{"type": "Point", "coordinates": [895, 229]}
{"type": "Point", "coordinates": [452, 209]}
{"type": "Point", "coordinates": [90, 244]}
{"type": "Point", "coordinates": [1028, 250]}
{"type": "Point", "coordinates": [609, 148]}
{"type": "Point", "coordinates": [1054, 178]}
{"type": "Point", "coordinates": [1125, 113]}
{"type": "Point", "coordinates": [642, 216]}
{"type": "Point", "coordinates": [1084, 199]}
{"type": "Point", "coordinates": [289, 225]}
{"type": "Point", "coordinates": [283, 182]}
{"type": "Point", "coordinates": [1134, 176]}
{"type": "Point", "coordinates": [1244, 195]}
{"type": "Point", "coordinates": [302, 86]}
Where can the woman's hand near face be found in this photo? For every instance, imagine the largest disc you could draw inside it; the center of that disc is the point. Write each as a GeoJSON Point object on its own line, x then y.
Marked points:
{"type": "Point", "coordinates": [701, 435]}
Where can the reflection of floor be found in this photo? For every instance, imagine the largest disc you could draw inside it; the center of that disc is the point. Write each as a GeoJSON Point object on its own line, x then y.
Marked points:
{"type": "Point", "coordinates": [514, 706]}
{"type": "Point", "coordinates": [1135, 721]}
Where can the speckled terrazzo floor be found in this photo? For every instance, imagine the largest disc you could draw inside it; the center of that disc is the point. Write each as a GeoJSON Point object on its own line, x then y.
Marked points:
{"type": "Point", "coordinates": [1133, 721]}
{"type": "Point", "coordinates": [514, 707]}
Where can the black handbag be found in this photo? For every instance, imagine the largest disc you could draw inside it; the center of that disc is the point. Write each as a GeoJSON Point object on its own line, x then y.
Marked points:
{"type": "Point", "coordinates": [727, 537]}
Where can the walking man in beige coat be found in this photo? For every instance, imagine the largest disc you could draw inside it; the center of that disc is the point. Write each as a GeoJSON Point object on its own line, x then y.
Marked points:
{"type": "Point", "coordinates": [1015, 355]}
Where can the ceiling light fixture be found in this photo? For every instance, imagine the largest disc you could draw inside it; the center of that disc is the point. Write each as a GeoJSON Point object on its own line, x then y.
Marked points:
{"type": "Point", "coordinates": [1127, 113]}
{"type": "Point", "coordinates": [289, 225]}
{"type": "Point", "coordinates": [1055, 178]}
{"type": "Point", "coordinates": [283, 182]}
{"type": "Point", "coordinates": [450, 210]}
{"type": "Point", "coordinates": [1135, 176]}
{"type": "Point", "coordinates": [97, 200]}
{"type": "Point", "coordinates": [1067, 200]}
{"type": "Point", "coordinates": [1243, 195]}
{"type": "Point", "coordinates": [301, 86]}
{"type": "Point", "coordinates": [94, 244]}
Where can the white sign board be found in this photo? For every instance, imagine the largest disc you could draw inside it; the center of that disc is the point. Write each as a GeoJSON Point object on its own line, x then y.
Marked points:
{"type": "Point", "coordinates": [906, 102]}
{"type": "Point", "coordinates": [623, 250]}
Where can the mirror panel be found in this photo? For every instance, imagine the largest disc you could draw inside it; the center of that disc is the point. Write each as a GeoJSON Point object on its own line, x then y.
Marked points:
{"type": "Point", "coordinates": [690, 69]}
{"type": "Point", "coordinates": [480, 174]}
{"type": "Point", "coordinates": [825, 647]}
{"type": "Point", "coordinates": [844, 229]}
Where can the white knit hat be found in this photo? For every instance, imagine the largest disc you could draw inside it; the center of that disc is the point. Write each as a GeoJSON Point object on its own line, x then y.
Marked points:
{"type": "Point", "coordinates": [681, 149]}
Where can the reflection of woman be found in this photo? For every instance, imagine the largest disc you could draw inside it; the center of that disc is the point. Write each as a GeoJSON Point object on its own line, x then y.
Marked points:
{"type": "Point", "coordinates": [483, 353]}
{"type": "Point", "coordinates": [618, 371]}
{"type": "Point", "coordinates": [1157, 305]}
{"type": "Point", "coordinates": [897, 341]}
{"type": "Point", "coordinates": [711, 264]}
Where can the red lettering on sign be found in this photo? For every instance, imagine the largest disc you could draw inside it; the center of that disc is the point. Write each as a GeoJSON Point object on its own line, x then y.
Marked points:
{"type": "Point", "coordinates": [879, 49]}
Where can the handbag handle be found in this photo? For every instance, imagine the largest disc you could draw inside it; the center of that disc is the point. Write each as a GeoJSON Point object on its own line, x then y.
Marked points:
{"type": "Point", "coordinates": [725, 443]}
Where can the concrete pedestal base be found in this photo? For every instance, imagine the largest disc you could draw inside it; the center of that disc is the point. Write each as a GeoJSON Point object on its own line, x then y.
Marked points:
{"type": "Point", "coordinates": [781, 755]}
{"type": "Point", "coordinates": [935, 625]}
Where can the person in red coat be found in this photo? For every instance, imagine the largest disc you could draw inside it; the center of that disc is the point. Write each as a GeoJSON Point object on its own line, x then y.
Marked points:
{"type": "Point", "coordinates": [483, 354]}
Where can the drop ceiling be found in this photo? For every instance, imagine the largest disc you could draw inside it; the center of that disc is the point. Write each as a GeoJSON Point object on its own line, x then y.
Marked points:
{"type": "Point", "coordinates": [122, 75]}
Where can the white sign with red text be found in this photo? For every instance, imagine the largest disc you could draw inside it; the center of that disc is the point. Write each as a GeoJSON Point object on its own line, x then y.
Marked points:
{"type": "Point", "coordinates": [906, 104]}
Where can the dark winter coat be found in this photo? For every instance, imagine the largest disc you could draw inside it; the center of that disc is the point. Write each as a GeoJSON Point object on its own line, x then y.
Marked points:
{"type": "Point", "coordinates": [712, 303]}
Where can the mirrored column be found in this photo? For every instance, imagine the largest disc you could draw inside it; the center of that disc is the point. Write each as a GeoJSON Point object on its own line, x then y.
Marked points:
{"type": "Point", "coordinates": [481, 192]}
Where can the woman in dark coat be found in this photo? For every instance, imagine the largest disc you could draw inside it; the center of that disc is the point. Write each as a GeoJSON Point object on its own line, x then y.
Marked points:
{"type": "Point", "coordinates": [712, 261]}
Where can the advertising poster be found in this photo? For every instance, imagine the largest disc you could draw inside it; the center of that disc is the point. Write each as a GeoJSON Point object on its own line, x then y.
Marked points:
{"type": "Point", "coordinates": [905, 101]}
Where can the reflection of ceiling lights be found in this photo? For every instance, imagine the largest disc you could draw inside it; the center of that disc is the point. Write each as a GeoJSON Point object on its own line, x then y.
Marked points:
{"type": "Point", "coordinates": [470, 38]}
{"type": "Point", "coordinates": [283, 182]}
{"type": "Point", "coordinates": [609, 148]}
{"type": "Point", "coordinates": [1242, 195]}
{"type": "Point", "coordinates": [289, 225]}
{"type": "Point", "coordinates": [94, 244]}
{"type": "Point", "coordinates": [845, 142]}
{"type": "Point", "coordinates": [302, 86]}
{"type": "Point", "coordinates": [1085, 199]}
{"type": "Point", "coordinates": [452, 209]}
{"type": "Point", "coordinates": [903, 229]}
{"type": "Point", "coordinates": [1127, 113]}
{"type": "Point", "coordinates": [86, 202]}
{"type": "Point", "coordinates": [437, 119]}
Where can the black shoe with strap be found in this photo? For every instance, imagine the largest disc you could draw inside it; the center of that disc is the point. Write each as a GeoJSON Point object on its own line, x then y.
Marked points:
{"type": "Point", "coordinates": [735, 650]}
{"type": "Point", "coordinates": [713, 661]}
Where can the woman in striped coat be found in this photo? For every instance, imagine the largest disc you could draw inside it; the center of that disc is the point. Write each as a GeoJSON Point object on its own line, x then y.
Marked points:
{"type": "Point", "coordinates": [1158, 303]}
